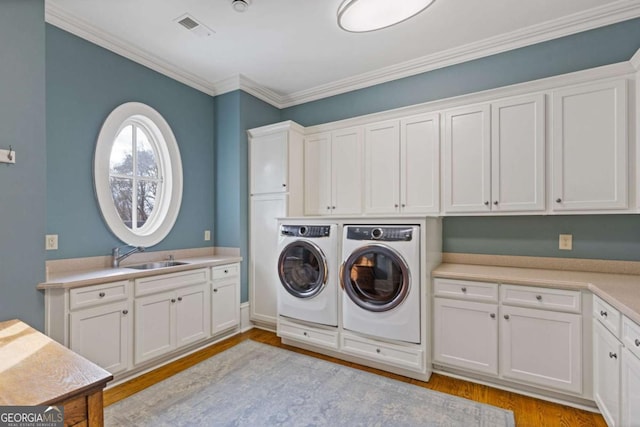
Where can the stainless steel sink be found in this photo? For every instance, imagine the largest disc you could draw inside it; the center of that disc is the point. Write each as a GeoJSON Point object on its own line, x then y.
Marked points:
{"type": "Point", "coordinates": [157, 264]}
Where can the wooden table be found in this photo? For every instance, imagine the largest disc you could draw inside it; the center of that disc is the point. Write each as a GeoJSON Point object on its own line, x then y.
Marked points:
{"type": "Point", "coordinates": [36, 370]}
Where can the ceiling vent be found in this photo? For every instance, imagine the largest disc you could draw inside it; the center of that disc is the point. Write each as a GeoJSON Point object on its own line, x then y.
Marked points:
{"type": "Point", "coordinates": [194, 26]}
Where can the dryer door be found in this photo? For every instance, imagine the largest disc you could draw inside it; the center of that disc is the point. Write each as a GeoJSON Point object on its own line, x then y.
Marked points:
{"type": "Point", "coordinates": [375, 277]}
{"type": "Point", "coordinates": [302, 267]}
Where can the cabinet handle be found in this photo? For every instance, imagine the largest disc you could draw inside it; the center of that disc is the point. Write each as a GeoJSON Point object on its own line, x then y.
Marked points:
{"type": "Point", "coordinates": [603, 313]}
{"type": "Point", "coordinates": [495, 202]}
{"type": "Point", "coordinates": [637, 342]}
{"type": "Point", "coordinates": [179, 298]}
{"type": "Point", "coordinates": [506, 317]}
{"type": "Point", "coordinates": [125, 312]}
{"type": "Point", "coordinates": [464, 290]}
{"type": "Point", "coordinates": [215, 290]}
{"type": "Point", "coordinates": [486, 203]}
{"type": "Point", "coordinates": [101, 294]}
{"type": "Point", "coordinates": [558, 200]}
{"type": "Point", "coordinates": [173, 300]}
{"type": "Point", "coordinates": [539, 297]}
{"type": "Point", "coordinates": [613, 355]}
{"type": "Point", "coordinates": [378, 350]}
{"type": "Point", "coordinates": [492, 315]}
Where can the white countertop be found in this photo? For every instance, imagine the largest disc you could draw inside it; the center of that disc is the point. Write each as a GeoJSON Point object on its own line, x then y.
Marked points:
{"type": "Point", "coordinates": [622, 291]}
{"type": "Point", "coordinates": [79, 278]}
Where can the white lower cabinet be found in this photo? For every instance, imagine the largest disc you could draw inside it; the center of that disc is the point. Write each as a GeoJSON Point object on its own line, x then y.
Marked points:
{"type": "Point", "coordinates": [606, 373]}
{"type": "Point", "coordinates": [475, 330]}
{"type": "Point", "coordinates": [102, 335]}
{"type": "Point", "coordinates": [630, 391]}
{"type": "Point", "coordinates": [225, 298]}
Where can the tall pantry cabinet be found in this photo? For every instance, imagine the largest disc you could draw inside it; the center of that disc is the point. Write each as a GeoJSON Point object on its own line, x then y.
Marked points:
{"type": "Point", "coordinates": [276, 185]}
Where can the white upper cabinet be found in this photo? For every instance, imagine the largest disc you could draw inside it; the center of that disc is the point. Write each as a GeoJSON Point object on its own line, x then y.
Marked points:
{"type": "Point", "coordinates": [333, 173]}
{"type": "Point", "coordinates": [269, 157]}
{"type": "Point", "coordinates": [590, 146]}
{"type": "Point", "coordinates": [494, 157]}
{"type": "Point", "coordinates": [517, 154]}
{"type": "Point", "coordinates": [467, 160]}
{"type": "Point", "coordinates": [402, 173]}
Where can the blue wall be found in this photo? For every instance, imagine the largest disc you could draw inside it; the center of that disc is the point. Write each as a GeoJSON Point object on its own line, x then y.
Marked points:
{"type": "Point", "coordinates": [84, 84]}
{"type": "Point", "coordinates": [22, 186]}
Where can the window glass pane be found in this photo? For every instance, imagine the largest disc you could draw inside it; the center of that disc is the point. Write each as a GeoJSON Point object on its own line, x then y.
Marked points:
{"type": "Point", "coordinates": [121, 159]}
{"type": "Point", "coordinates": [121, 192]}
{"type": "Point", "coordinates": [147, 162]}
{"type": "Point", "coordinates": [147, 191]}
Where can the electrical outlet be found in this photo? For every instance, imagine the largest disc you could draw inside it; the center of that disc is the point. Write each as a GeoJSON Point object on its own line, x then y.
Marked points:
{"type": "Point", "coordinates": [565, 242]}
{"type": "Point", "coordinates": [207, 235]}
{"type": "Point", "coordinates": [51, 242]}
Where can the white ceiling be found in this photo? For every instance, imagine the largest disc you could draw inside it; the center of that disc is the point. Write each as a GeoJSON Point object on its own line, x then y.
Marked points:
{"type": "Point", "coordinates": [292, 51]}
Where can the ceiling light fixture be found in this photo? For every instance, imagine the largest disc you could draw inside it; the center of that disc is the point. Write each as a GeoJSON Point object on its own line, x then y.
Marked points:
{"type": "Point", "coordinates": [240, 5]}
{"type": "Point", "coordinates": [359, 16]}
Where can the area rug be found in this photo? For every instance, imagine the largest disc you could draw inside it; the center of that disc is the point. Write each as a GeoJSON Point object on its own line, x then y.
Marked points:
{"type": "Point", "coordinates": [255, 384]}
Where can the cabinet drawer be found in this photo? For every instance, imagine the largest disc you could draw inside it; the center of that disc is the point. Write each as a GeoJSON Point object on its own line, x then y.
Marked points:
{"type": "Point", "coordinates": [607, 315]}
{"type": "Point", "coordinates": [98, 294]}
{"type": "Point", "coordinates": [631, 335]}
{"type": "Point", "coordinates": [224, 271]}
{"type": "Point", "coordinates": [402, 357]}
{"type": "Point", "coordinates": [165, 282]}
{"type": "Point", "coordinates": [315, 336]}
{"type": "Point", "coordinates": [480, 291]}
{"type": "Point", "coordinates": [548, 299]}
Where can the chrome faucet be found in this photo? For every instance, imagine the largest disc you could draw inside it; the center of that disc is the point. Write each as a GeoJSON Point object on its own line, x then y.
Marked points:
{"type": "Point", "coordinates": [117, 257]}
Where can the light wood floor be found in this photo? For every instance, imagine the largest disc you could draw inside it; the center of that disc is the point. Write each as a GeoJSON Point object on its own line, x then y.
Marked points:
{"type": "Point", "coordinates": [528, 411]}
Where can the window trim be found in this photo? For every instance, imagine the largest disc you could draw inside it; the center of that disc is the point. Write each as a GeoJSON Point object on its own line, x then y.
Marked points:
{"type": "Point", "coordinates": [168, 201]}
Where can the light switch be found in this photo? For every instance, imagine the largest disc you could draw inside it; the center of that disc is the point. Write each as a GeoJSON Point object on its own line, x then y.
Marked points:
{"type": "Point", "coordinates": [207, 235]}
{"type": "Point", "coordinates": [565, 242]}
{"type": "Point", "coordinates": [51, 242]}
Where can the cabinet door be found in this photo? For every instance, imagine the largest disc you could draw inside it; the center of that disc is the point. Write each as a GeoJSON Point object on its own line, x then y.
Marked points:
{"type": "Point", "coordinates": [101, 334]}
{"type": "Point", "coordinates": [466, 335]}
{"type": "Point", "coordinates": [541, 347]}
{"type": "Point", "coordinates": [606, 373]}
{"type": "Point", "coordinates": [154, 321]}
{"type": "Point", "coordinates": [630, 392]}
{"type": "Point", "coordinates": [225, 305]}
{"type": "Point", "coordinates": [382, 167]}
{"type": "Point", "coordinates": [517, 152]}
{"type": "Point", "coordinates": [268, 163]}
{"type": "Point", "coordinates": [420, 164]}
{"type": "Point", "coordinates": [317, 174]}
{"type": "Point", "coordinates": [467, 160]}
{"type": "Point", "coordinates": [590, 147]}
{"type": "Point", "coordinates": [263, 257]}
{"type": "Point", "coordinates": [347, 171]}
{"type": "Point", "coordinates": [193, 314]}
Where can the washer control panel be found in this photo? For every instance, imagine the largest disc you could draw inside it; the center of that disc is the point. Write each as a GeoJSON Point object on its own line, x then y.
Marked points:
{"type": "Point", "coordinates": [380, 233]}
{"type": "Point", "coordinates": [309, 231]}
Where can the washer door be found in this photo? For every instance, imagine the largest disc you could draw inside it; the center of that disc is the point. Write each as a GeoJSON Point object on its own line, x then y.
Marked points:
{"type": "Point", "coordinates": [302, 268]}
{"type": "Point", "coordinates": [376, 278]}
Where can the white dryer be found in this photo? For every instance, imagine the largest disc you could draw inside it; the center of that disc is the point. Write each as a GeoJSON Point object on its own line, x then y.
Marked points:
{"type": "Point", "coordinates": [380, 277]}
{"type": "Point", "coordinates": [307, 267]}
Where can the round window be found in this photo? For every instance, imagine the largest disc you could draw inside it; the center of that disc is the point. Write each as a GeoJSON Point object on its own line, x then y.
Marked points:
{"type": "Point", "coordinates": [138, 174]}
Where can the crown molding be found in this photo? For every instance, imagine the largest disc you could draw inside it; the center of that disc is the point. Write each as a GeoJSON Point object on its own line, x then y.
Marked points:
{"type": "Point", "coordinates": [593, 18]}
{"type": "Point", "coordinates": [58, 17]}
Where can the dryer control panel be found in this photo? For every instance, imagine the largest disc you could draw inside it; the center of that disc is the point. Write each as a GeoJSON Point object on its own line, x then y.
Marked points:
{"type": "Point", "coordinates": [308, 231]}
{"type": "Point", "coordinates": [382, 234]}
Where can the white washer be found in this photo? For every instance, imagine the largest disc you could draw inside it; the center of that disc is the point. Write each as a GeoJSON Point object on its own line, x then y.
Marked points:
{"type": "Point", "coordinates": [380, 277]}
{"type": "Point", "coordinates": [308, 272]}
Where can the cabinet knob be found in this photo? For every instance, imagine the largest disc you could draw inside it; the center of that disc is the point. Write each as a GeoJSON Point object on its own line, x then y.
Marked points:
{"type": "Point", "coordinates": [101, 294]}
{"type": "Point", "coordinates": [613, 355]}
{"type": "Point", "coordinates": [492, 315]}
{"type": "Point", "coordinates": [284, 185]}
{"type": "Point", "coordinates": [506, 317]}
{"type": "Point", "coordinates": [125, 312]}
{"type": "Point", "coordinates": [333, 207]}
{"type": "Point", "coordinates": [637, 342]}
{"type": "Point", "coordinates": [464, 290]}
{"type": "Point", "coordinates": [305, 334]}
{"type": "Point", "coordinates": [215, 290]}
{"type": "Point", "coordinates": [539, 297]}
{"type": "Point", "coordinates": [328, 207]}
{"type": "Point", "coordinates": [226, 272]}
{"type": "Point", "coordinates": [404, 205]}
{"type": "Point", "coordinates": [173, 300]}
{"type": "Point", "coordinates": [495, 202]}
{"type": "Point", "coordinates": [603, 313]}
{"type": "Point", "coordinates": [558, 200]}
{"type": "Point", "coordinates": [396, 205]}
{"type": "Point", "coordinates": [179, 298]}
{"type": "Point", "coordinates": [486, 203]}
{"type": "Point", "coordinates": [378, 350]}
